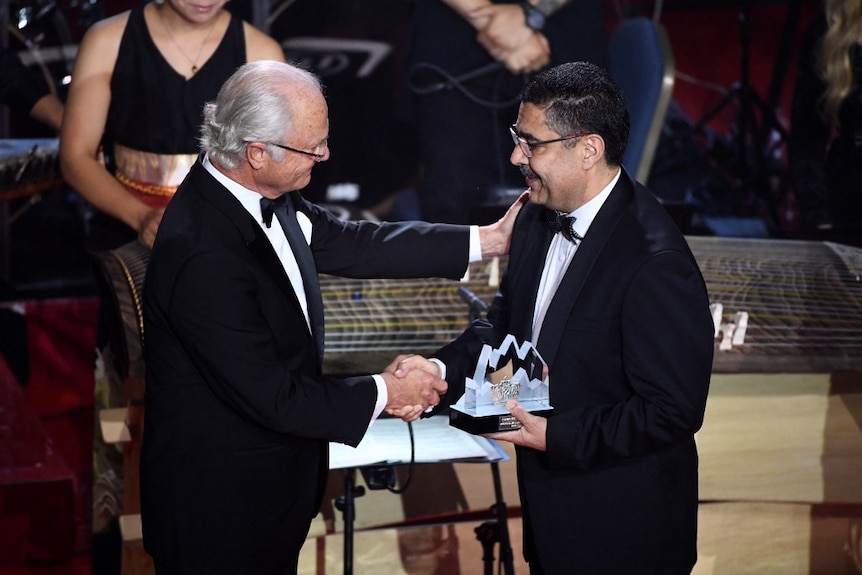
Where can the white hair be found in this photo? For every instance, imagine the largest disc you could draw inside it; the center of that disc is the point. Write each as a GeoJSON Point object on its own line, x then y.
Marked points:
{"type": "Point", "coordinates": [253, 105]}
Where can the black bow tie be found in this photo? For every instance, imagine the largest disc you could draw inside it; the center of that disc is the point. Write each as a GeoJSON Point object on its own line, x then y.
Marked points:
{"type": "Point", "coordinates": [267, 207]}
{"type": "Point", "coordinates": [563, 224]}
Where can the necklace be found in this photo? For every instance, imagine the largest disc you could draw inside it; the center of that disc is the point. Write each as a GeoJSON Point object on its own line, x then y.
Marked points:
{"type": "Point", "coordinates": [193, 62]}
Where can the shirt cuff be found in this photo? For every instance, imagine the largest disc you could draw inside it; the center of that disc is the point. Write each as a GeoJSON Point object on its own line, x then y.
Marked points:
{"type": "Point", "coordinates": [382, 397]}
{"type": "Point", "coordinates": [441, 365]}
{"type": "Point", "coordinates": [475, 245]}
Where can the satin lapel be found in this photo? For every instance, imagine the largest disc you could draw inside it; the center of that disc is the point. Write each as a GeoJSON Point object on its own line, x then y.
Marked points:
{"type": "Point", "coordinates": [256, 241]}
{"type": "Point", "coordinates": [589, 250]}
{"type": "Point", "coordinates": [525, 270]}
{"type": "Point", "coordinates": [307, 267]}
{"type": "Point", "coordinates": [264, 253]}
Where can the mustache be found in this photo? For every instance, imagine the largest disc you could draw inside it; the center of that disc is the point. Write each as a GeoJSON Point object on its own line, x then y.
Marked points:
{"type": "Point", "coordinates": [528, 173]}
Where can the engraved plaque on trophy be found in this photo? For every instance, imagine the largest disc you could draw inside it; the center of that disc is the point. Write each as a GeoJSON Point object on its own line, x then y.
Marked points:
{"type": "Point", "coordinates": [514, 371]}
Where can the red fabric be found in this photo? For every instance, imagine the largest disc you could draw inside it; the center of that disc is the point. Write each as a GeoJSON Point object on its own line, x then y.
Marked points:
{"type": "Point", "coordinates": [37, 488]}
{"type": "Point", "coordinates": [61, 337]}
{"type": "Point", "coordinates": [706, 45]}
{"type": "Point", "coordinates": [72, 436]}
{"type": "Point", "coordinates": [59, 391]}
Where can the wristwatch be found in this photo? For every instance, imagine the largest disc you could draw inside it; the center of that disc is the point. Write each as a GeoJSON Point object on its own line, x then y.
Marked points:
{"type": "Point", "coordinates": [533, 17]}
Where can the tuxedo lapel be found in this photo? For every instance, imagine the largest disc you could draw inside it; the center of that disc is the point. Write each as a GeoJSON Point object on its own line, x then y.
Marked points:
{"type": "Point", "coordinates": [286, 215]}
{"type": "Point", "coordinates": [525, 272]}
{"type": "Point", "coordinates": [263, 252]}
{"type": "Point", "coordinates": [577, 274]}
{"type": "Point", "coordinates": [258, 244]}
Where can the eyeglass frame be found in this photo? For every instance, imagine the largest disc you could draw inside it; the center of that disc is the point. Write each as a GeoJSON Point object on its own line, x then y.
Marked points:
{"type": "Point", "coordinates": [316, 157]}
{"type": "Point", "coordinates": [527, 147]}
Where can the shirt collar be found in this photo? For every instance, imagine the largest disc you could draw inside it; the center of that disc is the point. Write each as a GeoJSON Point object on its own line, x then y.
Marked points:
{"type": "Point", "coordinates": [249, 199]}
{"type": "Point", "coordinates": [587, 213]}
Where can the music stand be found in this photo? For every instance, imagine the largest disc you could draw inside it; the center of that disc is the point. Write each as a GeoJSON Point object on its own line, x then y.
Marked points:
{"type": "Point", "coordinates": [346, 504]}
{"type": "Point", "coordinates": [376, 454]}
{"type": "Point", "coordinates": [496, 531]}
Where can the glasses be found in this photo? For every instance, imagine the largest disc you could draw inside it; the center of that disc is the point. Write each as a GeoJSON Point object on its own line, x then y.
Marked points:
{"type": "Point", "coordinates": [527, 147]}
{"type": "Point", "coordinates": [317, 157]}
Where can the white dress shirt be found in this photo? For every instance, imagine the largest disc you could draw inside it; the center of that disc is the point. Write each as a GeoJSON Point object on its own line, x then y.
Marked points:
{"type": "Point", "coordinates": [560, 255]}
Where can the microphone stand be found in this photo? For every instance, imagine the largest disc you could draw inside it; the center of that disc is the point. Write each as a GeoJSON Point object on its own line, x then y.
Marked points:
{"type": "Point", "coordinates": [496, 530]}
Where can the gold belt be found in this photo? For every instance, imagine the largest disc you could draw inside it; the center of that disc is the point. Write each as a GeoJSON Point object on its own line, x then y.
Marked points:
{"type": "Point", "coordinates": [149, 173]}
{"type": "Point", "coordinates": [145, 188]}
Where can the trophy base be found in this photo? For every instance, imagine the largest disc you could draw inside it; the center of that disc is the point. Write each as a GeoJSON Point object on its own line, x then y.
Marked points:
{"type": "Point", "coordinates": [482, 424]}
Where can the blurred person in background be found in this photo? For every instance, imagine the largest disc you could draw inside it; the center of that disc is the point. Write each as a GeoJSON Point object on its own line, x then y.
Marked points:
{"type": "Point", "coordinates": [825, 143]}
{"type": "Point", "coordinates": [139, 84]}
{"type": "Point", "coordinates": [28, 93]}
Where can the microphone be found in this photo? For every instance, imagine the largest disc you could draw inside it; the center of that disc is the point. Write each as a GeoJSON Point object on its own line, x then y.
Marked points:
{"type": "Point", "coordinates": [475, 302]}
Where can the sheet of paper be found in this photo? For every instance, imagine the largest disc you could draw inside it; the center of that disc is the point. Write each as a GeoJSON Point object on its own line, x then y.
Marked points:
{"type": "Point", "coordinates": [388, 441]}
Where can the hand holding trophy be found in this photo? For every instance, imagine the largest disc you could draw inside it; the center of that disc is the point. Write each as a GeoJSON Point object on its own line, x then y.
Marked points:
{"type": "Point", "coordinates": [514, 371]}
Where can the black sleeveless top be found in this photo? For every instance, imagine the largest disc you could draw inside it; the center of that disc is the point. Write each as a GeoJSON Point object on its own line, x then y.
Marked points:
{"type": "Point", "coordinates": [155, 109]}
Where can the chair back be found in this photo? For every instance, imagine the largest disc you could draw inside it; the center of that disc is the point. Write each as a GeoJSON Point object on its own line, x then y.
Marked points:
{"type": "Point", "coordinates": [642, 63]}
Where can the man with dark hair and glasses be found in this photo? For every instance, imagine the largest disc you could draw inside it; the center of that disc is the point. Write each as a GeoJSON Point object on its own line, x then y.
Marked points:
{"type": "Point", "coordinates": [238, 412]}
{"type": "Point", "coordinates": [616, 306]}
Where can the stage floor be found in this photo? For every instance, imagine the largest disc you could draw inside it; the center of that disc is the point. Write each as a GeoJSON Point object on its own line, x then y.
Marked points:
{"type": "Point", "coordinates": [735, 539]}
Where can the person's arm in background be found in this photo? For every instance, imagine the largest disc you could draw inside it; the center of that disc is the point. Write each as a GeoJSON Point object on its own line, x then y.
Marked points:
{"type": "Point", "coordinates": [49, 111]}
{"type": "Point", "coordinates": [508, 37]}
{"type": "Point", "coordinates": [84, 125]}
{"type": "Point", "coordinates": [26, 92]}
{"type": "Point", "coordinates": [526, 51]}
{"type": "Point", "coordinates": [466, 8]}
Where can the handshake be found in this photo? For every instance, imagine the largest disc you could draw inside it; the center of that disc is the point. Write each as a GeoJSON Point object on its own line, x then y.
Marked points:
{"type": "Point", "coordinates": [413, 384]}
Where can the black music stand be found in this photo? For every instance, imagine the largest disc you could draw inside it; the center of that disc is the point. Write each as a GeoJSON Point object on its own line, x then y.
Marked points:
{"type": "Point", "coordinates": [496, 531]}
{"type": "Point", "coordinates": [376, 477]}
{"type": "Point", "coordinates": [380, 476]}
{"type": "Point", "coordinates": [346, 504]}
{"type": "Point", "coordinates": [750, 140]}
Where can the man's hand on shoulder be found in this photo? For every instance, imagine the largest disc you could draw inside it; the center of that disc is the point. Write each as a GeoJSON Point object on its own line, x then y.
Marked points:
{"type": "Point", "coordinates": [495, 238]}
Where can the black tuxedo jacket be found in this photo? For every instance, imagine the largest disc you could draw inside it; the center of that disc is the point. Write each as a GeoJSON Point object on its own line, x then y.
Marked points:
{"type": "Point", "coordinates": [238, 414]}
{"type": "Point", "coordinates": [628, 338]}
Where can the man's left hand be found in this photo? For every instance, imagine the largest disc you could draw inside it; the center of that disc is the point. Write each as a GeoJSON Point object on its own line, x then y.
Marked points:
{"type": "Point", "coordinates": [532, 431]}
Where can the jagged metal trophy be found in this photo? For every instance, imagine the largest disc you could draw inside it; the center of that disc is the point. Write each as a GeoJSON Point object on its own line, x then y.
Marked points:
{"type": "Point", "coordinates": [514, 371]}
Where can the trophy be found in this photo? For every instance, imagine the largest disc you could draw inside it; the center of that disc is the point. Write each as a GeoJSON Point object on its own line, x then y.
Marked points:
{"type": "Point", "coordinates": [514, 371]}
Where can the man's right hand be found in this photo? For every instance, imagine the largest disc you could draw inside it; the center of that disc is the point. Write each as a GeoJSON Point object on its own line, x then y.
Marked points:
{"type": "Point", "coordinates": [415, 389]}
{"type": "Point", "coordinates": [495, 238]}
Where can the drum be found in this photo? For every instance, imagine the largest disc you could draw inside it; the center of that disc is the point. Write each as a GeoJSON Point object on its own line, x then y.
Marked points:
{"type": "Point", "coordinates": [120, 279]}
